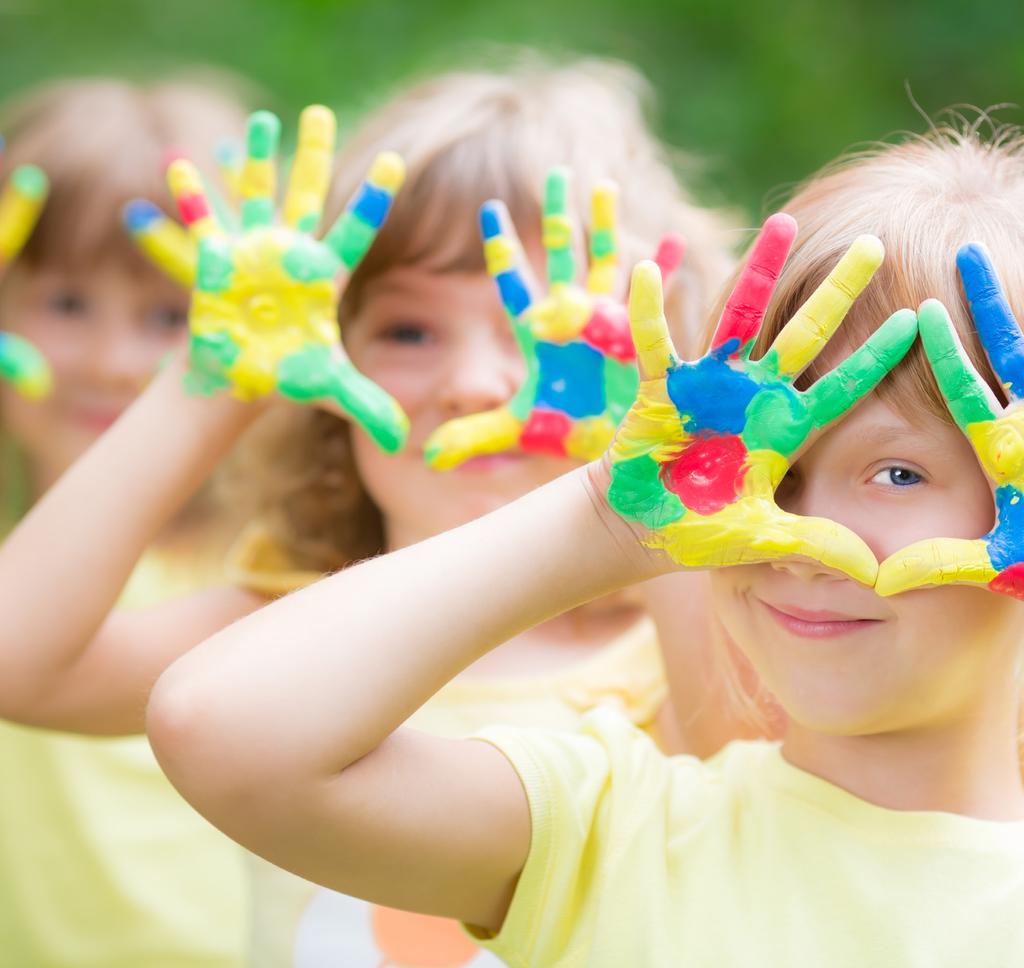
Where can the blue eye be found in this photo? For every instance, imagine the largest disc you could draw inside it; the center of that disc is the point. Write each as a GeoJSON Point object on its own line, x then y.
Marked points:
{"type": "Point", "coordinates": [897, 477]}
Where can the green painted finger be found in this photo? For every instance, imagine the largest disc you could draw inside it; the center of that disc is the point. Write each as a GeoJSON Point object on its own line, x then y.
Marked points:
{"type": "Point", "coordinates": [969, 398]}
{"type": "Point", "coordinates": [358, 225]}
{"type": "Point", "coordinates": [863, 370]}
{"type": "Point", "coordinates": [318, 372]}
{"type": "Point", "coordinates": [557, 228]}
{"type": "Point", "coordinates": [258, 180]}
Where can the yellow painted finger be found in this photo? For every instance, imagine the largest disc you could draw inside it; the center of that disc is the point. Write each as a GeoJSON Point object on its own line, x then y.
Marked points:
{"type": "Point", "coordinates": [311, 169]}
{"type": "Point", "coordinates": [458, 440]}
{"type": "Point", "coordinates": [647, 323]}
{"type": "Point", "coordinates": [938, 561]}
{"type": "Point", "coordinates": [806, 334]}
{"type": "Point", "coordinates": [165, 243]}
{"type": "Point", "coordinates": [20, 204]}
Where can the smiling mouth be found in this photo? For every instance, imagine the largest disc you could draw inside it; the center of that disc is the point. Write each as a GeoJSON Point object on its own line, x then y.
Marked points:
{"type": "Point", "coordinates": [811, 624]}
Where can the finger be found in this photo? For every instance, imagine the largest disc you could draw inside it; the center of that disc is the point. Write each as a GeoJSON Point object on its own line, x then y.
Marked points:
{"type": "Point", "coordinates": [257, 183]}
{"type": "Point", "coordinates": [654, 349]}
{"type": "Point", "coordinates": [229, 157]}
{"type": "Point", "coordinates": [806, 334]}
{"type": "Point", "coordinates": [311, 169]}
{"type": "Point", "coordinates": [25, 367]}
{"type": "Point", "coordinates": [863, 370]}
{"type": "Point", "coordinates": [325, 371]}
{"type": "Point", "coordinates": [604, 255]}
{"type": "Point", "coordinates": [357, 227]}
{"type": "Point", "coordinates": [997, 326]}
{"type": "Point", "coordinates": [750, 531]}
{"type": "Point", "coordinates": [557, 228]}
{"type": "Point", "coordinates": [669, 255]}
{"type": "Point", "coordinates": [504, 257]}
{"type": "Point", "coordinates": [968, 396]}
{"type": "Point", "coordinates": [937, 561]}
{"type": "Point", "coordinates": [491, 432]}
{"type": "Point", "coordinates": [187, 188]}
{"type": "Point", "coordinates": [20, 204]}
{"type": "Point", "coordinates": [744, 310]}
{"type": "Point", "coordinates": [162, 240]}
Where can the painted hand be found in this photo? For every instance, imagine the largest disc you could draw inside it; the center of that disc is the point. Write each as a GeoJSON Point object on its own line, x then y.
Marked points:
{"type": "Point", "coordinates": [698, 458]}
{"type": "Point", "coordinates": [996, 433]}
{"type": "Point", "coordinates": [21, 201]}
{"type": "Point", "coordinates": [581, 374]}
{"type": "Point", "coordinates": [265, 299]}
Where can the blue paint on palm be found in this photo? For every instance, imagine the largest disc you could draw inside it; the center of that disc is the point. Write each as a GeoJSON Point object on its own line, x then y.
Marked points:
{"type": "Point", "coordinates": [1006, 540]}
{"type": "Point", "coordinates": [711, 394]}
{"type": "Point", "coordinates": [571, 379]}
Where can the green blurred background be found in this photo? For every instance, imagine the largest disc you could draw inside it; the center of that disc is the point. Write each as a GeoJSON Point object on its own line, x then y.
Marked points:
{"type": "Point", "coordinates": [765, 93]}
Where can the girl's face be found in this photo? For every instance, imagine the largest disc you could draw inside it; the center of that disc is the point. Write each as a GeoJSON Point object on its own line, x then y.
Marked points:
{"type": "Point", "coordinates": [841, 659]}
{"type": "Point", "coordinates": [104, 333]}
{"type": "Point", "coordinates": [441, 345]}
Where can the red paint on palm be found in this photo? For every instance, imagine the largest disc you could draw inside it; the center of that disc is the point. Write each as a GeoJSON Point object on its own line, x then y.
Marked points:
{"type": "Point", "coordinates": [707, 475]}
{"type": "Point", "coordinates": [607, 330]}
{"type": "Point", "coordinates": [545, 432]}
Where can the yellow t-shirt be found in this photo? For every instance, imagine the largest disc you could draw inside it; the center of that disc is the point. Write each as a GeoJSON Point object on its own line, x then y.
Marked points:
{"type": "Point", "coordinates": [102, 864]}
{"type": "Point", "coordinates": [297, 924]}
{"type": "Point", "coordinates": [640, 860]}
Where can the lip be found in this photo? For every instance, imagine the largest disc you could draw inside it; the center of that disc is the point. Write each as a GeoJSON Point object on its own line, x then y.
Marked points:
{"type": "Point", "coordinates": [95, 420]}
{"type": "Point", "coordinates": [817, 624]}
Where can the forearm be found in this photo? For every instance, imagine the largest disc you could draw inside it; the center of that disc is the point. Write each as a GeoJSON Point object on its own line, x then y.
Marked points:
{"type": "Point", "coordinates": [315, 681]}
{"type": "Point", "coordinates": [64, 567]}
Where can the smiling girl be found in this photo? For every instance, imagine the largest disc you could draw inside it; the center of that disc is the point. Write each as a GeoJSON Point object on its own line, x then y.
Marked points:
{"type": "Point", "coordinates": [888, 825]}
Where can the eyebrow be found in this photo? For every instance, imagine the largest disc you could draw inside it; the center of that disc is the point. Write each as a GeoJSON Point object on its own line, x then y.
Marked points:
{"type": "Point", "coordinates": [888, 434]}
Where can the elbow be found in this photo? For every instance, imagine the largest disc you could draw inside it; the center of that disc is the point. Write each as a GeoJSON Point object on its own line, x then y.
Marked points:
{"type": "Point", "coordinates": [196, 749]}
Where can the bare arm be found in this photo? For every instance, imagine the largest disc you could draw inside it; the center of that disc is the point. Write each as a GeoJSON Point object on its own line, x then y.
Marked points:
{"type": "Point", "coordinates": [66, 662]}
{"type": "Point", "coordinates": [282, 728]}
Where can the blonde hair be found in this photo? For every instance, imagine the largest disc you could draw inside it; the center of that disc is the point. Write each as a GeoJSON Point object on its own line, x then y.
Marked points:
{"type": "Point", "coordinates": [103, 142]}
{"type": "Point", "coordinates": [466, 137]}
{"type": "Point", "coordinates": [924, 197]}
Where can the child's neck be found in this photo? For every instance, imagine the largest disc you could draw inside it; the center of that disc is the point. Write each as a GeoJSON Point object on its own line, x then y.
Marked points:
{"type": "Point", "coordinates": [969, 767]}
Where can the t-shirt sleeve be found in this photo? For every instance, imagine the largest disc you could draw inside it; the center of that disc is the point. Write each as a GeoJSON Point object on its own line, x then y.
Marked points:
{"type": "Point", "coordinates": [599, 803]}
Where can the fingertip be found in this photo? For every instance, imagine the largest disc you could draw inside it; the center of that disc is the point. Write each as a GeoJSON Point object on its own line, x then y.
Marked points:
{"type": "Point", "coordinates": [932, 312]}
{"type": "Point", "coordinates": [491, 218]}
{"type": "Point", "coordinates": [262, 134]}
{"type": "Point", "coordinates": [30, 180]}
{"type": "Point", "coordinates": [317, 127]}
{"type": "Point", "coordinates": [139, 214]}
{"type": "Point", "coordinates": [973, 256]}
{"type": "Point", "coordinates": [780, 224]}
{"type": "Point", "coordinates": [388, 171]}
{"type": "Point", "coordinates": [868, 250]}
{"type": "Point", "coordinates": [671, 250]}
{"type": "Point", "coordinates": [645, 294]}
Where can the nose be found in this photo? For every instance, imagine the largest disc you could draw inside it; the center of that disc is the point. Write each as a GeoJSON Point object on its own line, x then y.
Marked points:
{"type": "Point", "coordinates": [121, 358]}
{"type": "Point", "coordinates": [485, 369]}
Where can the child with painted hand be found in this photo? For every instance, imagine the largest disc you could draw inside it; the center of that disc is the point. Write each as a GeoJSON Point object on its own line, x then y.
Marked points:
{"type": "Point", "coordinates": [100, 860]}
{"type": "Point", "coordinates": [888, 826]}
{"type": "Point", "coordinates": [422, 319]}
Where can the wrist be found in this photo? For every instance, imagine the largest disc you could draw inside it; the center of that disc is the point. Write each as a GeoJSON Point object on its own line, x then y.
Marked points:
{"type": "Point", "coordinates": [629, 536]}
